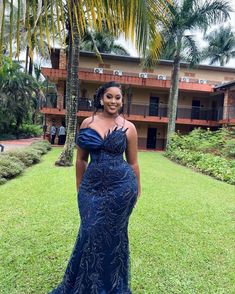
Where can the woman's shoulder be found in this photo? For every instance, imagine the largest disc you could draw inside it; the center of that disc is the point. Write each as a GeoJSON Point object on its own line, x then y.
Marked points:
{"type": "Point", "coordinates": [129, 125]}
{"type": "Point", "coordinates": [85, 123]}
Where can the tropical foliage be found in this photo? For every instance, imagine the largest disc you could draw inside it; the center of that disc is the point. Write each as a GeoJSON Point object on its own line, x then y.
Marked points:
{"type": "Point", "coordinates": [19, 95]}
{"type": "Point", "coordinates": [187, 15]}
{"type": "Point", "coordinates": [210, 152]}
{"type": "Point", "coordinates": [103, 41]}
{"type": "Point", "coordinates": [221, 46]}
{"type": "Point", "coordinates": [138, 20]}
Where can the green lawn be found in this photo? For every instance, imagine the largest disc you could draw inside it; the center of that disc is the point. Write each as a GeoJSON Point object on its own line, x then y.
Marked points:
{"type": "Point", "coordinates": [181, 233]}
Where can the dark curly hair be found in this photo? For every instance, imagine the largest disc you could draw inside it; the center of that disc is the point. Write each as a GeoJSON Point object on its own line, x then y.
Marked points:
{"type": "Point", "coordinates": [100, 93]}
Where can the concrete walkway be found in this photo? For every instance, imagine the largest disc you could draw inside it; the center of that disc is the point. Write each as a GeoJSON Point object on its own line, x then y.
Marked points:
{"type": "Point", "coordinates": [21, 143]}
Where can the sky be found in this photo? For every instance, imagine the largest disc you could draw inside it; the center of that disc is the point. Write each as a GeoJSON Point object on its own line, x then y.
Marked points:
{"type": "Point", "coordinates": [198, 36]}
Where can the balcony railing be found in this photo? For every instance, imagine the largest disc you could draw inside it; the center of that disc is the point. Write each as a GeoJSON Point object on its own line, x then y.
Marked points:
{"type": "Point", "coordinates": [157, 110]}
{"type": "Point", "coordinates": [227, 113]}
{"type": "Point", "coordinates": [160, 110]}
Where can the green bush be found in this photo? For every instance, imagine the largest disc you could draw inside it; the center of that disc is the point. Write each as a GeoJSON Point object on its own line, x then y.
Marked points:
{"type": "Point", "coordinates": [13, 162]}
{"type": "Point", "coordinates": [10, 166]}
{"type": "Point", "coordinates": [2, 180]}
{"type": "Point", "coordinates": [28, 130]}
{"type": "Point", "coordinates": [202, 140]}
{"type": "Point", "coordinates": [210, 164]}
{"type": "Point", "coordinates": [206, 151]}
{"type": "Point", "coordinates": [229, 148]}
{"type": "Point", "coordinates": [44, 146]}
{"type": "Point", "coordinates": [27, 156]}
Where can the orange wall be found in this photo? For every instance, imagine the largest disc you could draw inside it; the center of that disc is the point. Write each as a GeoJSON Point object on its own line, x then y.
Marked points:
{"type": "Point", "coordinates": [213, 74]}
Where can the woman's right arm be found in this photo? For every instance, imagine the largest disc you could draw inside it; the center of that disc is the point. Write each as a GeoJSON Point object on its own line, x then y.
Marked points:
{"type": "Point", "coordinates": [81, 164]}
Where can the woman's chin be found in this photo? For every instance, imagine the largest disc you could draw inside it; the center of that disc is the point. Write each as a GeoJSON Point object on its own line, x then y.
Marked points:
{"type": "Point", "coordinates": [112, 111]}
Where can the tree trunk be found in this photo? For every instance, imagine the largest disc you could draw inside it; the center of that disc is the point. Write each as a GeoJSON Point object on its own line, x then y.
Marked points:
{"type": "Point", "coordinates": [72, 90]}
{"type": "Point", "coordinates": [173, 99]}
{"type": "Point", "coordinates": [26, 59]}
{"type": "Point", "coordinates": [30, 66]}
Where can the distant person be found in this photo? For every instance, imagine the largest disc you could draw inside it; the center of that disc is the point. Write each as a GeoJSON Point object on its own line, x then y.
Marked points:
{"type": "Point", "coordinates": [52, 133]}
{"type": "Point", "coordinates": [2, 147]}
{"type": "Point", "coordinates": [61, 135]}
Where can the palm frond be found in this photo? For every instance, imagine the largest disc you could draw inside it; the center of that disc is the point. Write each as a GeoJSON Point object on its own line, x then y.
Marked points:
{"type": "Point", "coordinates": [192, 51]}
{"type": "Point", "coordinates": [221, 46]}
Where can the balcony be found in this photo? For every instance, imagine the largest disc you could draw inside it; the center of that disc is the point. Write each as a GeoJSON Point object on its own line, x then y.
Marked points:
{"type": "Point", "coordinates": [153, 112]}
{"type": "Point", "coordinates": [158, 112]}
{"type": "Point", "coordinates": [227, 115]}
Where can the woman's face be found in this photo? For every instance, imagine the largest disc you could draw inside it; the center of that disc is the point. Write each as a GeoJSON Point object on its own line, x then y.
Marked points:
{"type": "Point", "coordinates": [112, 100]}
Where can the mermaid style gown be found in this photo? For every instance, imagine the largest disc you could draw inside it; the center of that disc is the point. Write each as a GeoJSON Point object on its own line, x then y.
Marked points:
{"type": "Point", "coordinates": [100, 263]}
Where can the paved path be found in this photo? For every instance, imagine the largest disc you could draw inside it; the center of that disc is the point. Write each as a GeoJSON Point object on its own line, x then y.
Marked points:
{"type": "Point", "coordinates": [21, 143]}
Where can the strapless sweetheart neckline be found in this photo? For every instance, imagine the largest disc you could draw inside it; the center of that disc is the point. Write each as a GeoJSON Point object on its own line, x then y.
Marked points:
{"type": "Point", "coordinates": [100, 261]}
{"type": "Point", "coordinates": [108, 133]}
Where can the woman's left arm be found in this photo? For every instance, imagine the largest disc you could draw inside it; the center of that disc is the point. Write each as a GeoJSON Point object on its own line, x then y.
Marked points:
{"type": "Point", "coordinates": [131, 152]}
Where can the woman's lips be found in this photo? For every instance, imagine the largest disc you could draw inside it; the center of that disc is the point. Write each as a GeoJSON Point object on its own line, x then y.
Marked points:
{"type": "Point", "coordinates": [112, 107]}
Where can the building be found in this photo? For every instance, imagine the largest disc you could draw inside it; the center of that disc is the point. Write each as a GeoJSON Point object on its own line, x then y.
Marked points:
{"type": "Point", "coordinates": [205, 98]}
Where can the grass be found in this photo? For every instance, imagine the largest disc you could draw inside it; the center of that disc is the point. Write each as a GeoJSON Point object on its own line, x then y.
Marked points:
{"type": "Point", "coordinates": [181, 233]}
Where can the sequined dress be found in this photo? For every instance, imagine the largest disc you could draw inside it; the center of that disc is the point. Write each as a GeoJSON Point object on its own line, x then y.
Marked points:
{"type": "Point", "coordinates": [100, 263]}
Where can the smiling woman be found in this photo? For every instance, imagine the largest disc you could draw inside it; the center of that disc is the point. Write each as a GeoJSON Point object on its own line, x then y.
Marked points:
{"type": "Point", "coordinates": [108, 188]}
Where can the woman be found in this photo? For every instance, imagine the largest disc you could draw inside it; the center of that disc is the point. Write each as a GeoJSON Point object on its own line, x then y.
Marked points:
{"type": "Point", "coordinates": [108, 189]}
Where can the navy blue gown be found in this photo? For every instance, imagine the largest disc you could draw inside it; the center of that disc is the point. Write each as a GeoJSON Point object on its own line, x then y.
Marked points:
{"type": "Point", "coordinates": [100, 262]}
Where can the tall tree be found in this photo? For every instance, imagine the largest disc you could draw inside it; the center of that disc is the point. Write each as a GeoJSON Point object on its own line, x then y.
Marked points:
{"type": "Point", "coordinates": [187, 16]}
{"type": "Point", "coordinates": [137, 19]}
{"type": "Point", "coordinates": [103, 41]}
{"type": "Point", "coordinates": [221, 46]}
{"type": "Point", "coordinates": [141, 22]}
{"type": "Point", "coordinates": [19, 93]}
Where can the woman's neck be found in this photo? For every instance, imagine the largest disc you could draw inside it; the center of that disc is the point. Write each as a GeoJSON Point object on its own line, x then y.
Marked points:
{"type": "Point", "coordinates": [107, 115]}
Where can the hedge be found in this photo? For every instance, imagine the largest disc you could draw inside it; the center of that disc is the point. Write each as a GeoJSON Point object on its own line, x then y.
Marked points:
{"type": "Point", "coordinates": [209, 152]}
{"type": "Point", "coordinates": [215, 166]}
{"type": "Point", "coordinates": [13, 163]}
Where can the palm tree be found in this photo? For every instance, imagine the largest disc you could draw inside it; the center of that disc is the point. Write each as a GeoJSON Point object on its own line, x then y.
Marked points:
{"type": "Point", "coordinates": [221, 46]}
{"type": "Point", "coordinates": [138, 26]}
{"type": "Point", "coordinates": [187, 15]}
{"type": "Point", "coordinates": [104, 43]}
{"type": "Point", "coordinates": [137, 19]}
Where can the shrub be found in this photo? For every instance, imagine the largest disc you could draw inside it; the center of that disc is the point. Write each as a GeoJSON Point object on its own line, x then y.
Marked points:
{"type": "Point", "coordinates": [202, 140]}
{"type": "Point", "coordinates": [27, 156]}
{"type": "Point", "coordinates": [229, 148]}
{"type": "Point", "coordinates": [28, 130]}
{"type": "Point", "coordinates": [41, 145]}
{"type": "Point", "coordinates": [10, 166]}
{"type": "Point", "coordinates": [206, 151]}
{"type": "Point", "coordinates": [13, 162]}
{"type": "Point", "coordinates": [2, 181]}
{"type": "Point", "coordinates": [216, 166]}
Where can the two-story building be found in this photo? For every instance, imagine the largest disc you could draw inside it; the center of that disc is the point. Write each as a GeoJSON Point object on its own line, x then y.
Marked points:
{"type": "Point", "coordinates": [206, 97]}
